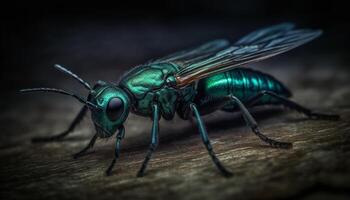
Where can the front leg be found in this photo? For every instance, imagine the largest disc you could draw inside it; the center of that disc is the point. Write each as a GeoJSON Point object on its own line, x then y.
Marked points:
{"type": "Point", "coordinates": [89, 146]}
{"type": "Point", "coordinates": [119, 137]}
{"type": "Point", "coordinates": [58, 137]}
{"type": "Point", "coordinates": [154, 140]}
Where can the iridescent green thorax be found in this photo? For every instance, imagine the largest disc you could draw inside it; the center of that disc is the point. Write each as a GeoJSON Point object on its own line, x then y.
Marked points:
{"type": "Point", "coordinates": [147, 85]}
{"type": "Point", "coordinates": [102, 95]}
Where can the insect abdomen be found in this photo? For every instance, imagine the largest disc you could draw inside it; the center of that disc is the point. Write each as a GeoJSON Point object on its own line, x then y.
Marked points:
{"type": "Point", "coordinates": [241, 82]}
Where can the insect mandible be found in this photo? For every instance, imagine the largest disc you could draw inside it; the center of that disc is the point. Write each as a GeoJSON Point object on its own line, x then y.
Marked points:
{"type": "Point", "coordinates": [191, 83]}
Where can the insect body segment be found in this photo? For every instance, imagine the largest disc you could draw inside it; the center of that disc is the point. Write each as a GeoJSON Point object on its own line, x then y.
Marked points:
{"type": "Point", "coordinates": [190, 83]}
{"type": "Point", "coordinates": [147, 84]}
{"type": "Point", "coordinates": [114, 104]}
{"type": "Point", "coordinates": [242, 83]}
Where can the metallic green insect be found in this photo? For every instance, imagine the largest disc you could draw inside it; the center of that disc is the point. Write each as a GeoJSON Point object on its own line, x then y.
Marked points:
{"type": "Point", "coordinates": [192, 83]}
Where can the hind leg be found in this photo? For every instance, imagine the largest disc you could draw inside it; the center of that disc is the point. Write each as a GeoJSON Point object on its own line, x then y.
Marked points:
{"type": "Point", "coordinates": [250, 121]}
{"type": "Point", "coordinates": [254, 126]}
{"type": "Point", "coordinates": [292, 105]}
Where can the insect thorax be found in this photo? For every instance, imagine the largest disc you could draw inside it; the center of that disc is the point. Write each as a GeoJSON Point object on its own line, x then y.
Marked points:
{"type": "Point", "coordinates": [147, 84]}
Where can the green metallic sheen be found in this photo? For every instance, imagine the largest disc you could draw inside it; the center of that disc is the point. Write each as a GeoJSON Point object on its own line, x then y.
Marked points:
{"type": "Point", "coordinates": [148, 84]}
{"type": "Point", "coordinates": [100, 96]}
{"type": "Point", "coordinates": [243, 83]}
{"type": "Point", "coordinates": [143, 86]}
{"type": "Point", "coordinates": [153, 83]}
{"type": "Point", "coordinates": [191, 83]}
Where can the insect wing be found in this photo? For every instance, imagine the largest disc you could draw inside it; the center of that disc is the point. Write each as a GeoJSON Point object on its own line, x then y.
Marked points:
{"type": "Point", "coordinates": [265, 45]}
{"type": "Point", "coordinates": [265, 34]}
{"type": "Point", "coordinates": [195, 54]}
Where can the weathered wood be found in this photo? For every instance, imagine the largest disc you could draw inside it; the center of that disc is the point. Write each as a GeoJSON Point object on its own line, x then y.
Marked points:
{"type": "Point", "coordinates": [317, 167]}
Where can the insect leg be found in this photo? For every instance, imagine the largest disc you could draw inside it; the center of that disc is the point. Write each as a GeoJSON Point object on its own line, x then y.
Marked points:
{"type": "Point", "coordinates": [292, 105]}
{"type": "Point", "coordinates": [119, 137]}
{"type": "Point", "coordinates": [206, 141]}
{"type": "Point", "coordinates": [154, 142]}
{"type": "Point", "coordinates": [57, 137]}
{"type": "Point", "coordinates": [89, 146]}
{"type": "Point", "coordinates": [254, 126]}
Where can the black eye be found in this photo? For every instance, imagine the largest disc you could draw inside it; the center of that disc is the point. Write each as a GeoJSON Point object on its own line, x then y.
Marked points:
{"type": "Point", "coordinates": [115, 108]}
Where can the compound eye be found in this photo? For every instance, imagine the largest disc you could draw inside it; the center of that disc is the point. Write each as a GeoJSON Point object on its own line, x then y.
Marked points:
{"type": "Point", "coordinates": [115, 108]}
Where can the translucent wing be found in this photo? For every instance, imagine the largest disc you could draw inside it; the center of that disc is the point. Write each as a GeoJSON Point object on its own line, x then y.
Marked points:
{"type": "Point", "coordinates": [192, 55]}
{"type": "Point", "coordinates": [208, 49]}
{"type": "Point", "coordinates": [265, 34]}
{"type": "Point", "coordinates": [259, 45]}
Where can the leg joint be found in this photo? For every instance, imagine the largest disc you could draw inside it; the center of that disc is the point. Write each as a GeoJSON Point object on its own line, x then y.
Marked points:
{"type": "Point", "coordinates": [153, 146]}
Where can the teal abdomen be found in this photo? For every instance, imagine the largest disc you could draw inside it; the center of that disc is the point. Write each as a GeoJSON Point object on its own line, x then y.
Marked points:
{"type": "Point", "coordinates": [243, 83]}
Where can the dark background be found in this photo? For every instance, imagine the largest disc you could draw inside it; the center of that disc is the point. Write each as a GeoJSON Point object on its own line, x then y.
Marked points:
{"type": "Point", "coordinates": [123, 34]}
{"type": "Point", "coordinates": [102, 40]}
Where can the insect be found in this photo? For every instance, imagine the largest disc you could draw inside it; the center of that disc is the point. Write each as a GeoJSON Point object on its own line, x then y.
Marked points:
{"type": "Point", "coordinates": [191, 83]}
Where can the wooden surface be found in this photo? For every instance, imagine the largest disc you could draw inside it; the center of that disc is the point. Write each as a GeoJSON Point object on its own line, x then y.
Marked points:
{"type": "Point", "coordinates": [317, 167]}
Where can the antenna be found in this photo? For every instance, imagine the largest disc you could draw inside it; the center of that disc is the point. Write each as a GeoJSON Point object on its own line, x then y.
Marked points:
{"type": "Point", "coordinates": [64, 70]}
{"type": "Point", "coordinates": [60, 91]}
